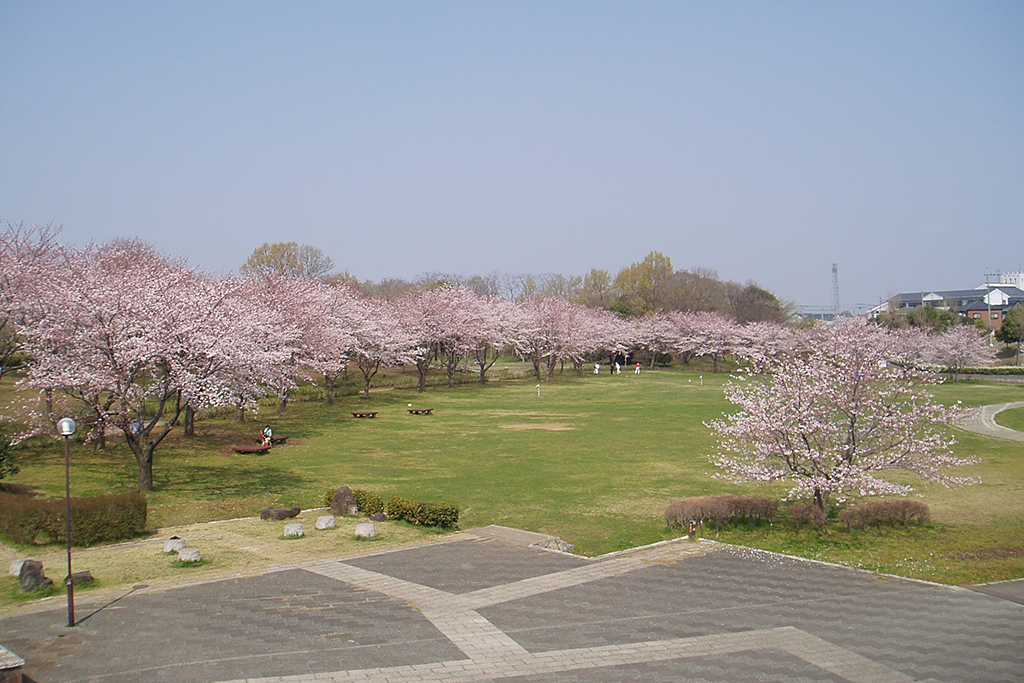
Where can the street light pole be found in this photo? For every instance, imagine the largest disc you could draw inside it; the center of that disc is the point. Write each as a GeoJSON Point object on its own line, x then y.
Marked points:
{"type": "Point", "coordinates": [66, 428]}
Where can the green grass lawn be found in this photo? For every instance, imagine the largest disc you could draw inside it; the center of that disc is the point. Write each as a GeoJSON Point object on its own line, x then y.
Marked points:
{"type": "Point", "coordinates": [1014, 418]}
{"type": "Point", "coordinates": [594, 460]}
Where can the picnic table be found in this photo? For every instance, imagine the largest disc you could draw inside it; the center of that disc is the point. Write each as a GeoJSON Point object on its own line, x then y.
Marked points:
{"type": "Point", "coordinates": [365, 413]}
{"type": "Point", "coordinates": [420, 411]}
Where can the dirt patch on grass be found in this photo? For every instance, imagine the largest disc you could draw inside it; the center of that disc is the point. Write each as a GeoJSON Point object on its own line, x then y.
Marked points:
{"type": "Point", "coordinates": [990, 554]}
{"type": "Point", "coordinates": [546, 426]}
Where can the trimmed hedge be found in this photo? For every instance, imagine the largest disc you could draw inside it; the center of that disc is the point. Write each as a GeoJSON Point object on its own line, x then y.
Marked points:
{"type": "Point", "coordinates": [424, 513]}
{"type": "Point", "coordinates": [369, 503]}
{"type": "Point", "coordinates": [103, 519]}
{"type": "Point", "coordinates": [879, 512]}
{"type": "Point", "coordinates": [804, 514]}
{"type": "Point", "coordinates": [719, 509]}
{"type": "Point", "coordinates": [996, 370]}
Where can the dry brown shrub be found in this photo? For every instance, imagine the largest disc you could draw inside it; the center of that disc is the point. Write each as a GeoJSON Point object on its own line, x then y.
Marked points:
{"type": "Point", "coordinates": [879, 512]}
{"type": "Point", "coordinates": [719, 509]}
{"type": "Point", "coordinates": [804, 514]}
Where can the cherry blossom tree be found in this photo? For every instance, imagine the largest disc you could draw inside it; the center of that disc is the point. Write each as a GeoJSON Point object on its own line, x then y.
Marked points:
{"type": "Point", "coordinates": [835, 416]}
{"type": "Point", "coordinates": [760, 343]}
{"type": "Point", "coordinates": [958, 348]}
{"type": "Point", "coordinates": [495, 323]}
{"type": "Point", "coordinates": [27, 258]}
{"type": "Point", "coordinates": [714, 335]}
{"type": "Point", "coordinates": [446, 321]}
{"type": "Point", "coordinates": [329, 344]}
{"type": "Point", "coordinates": [380, 339]}
{"type": "Point", "coordinates": [124, 319]}
{"type": "Point", "coordinates": [656, 333]}
{"type": "Point", "coordinates": [540, 332]}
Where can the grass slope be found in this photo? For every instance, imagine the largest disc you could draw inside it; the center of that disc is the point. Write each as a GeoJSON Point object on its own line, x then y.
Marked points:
{"type": "Point", "coordinates": [594, 460]}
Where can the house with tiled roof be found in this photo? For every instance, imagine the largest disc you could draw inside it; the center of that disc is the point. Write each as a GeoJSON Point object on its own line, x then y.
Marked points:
{"type": "Point", "coordinates": [987, 303]}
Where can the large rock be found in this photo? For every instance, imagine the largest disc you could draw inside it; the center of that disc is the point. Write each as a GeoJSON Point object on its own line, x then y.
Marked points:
{"type": "Point", "coordinates": [325, 522]}
{"type": "Point", "coordinates": [174, 544]}
{"type": "Point", "coordinates": [190, 555]}
{"type": "Point", "coordinates": [293, 531]}
{"type": "Point", "coordinates": [31, 576]}
{"type": "Point", "coordinates": [82, 578]}
{"type": "Point", "coordinates": [344, 502]}
{"type": "Point", "coordinates": [279, 513]}
{"type": "Point", "coordinates": [378, 517]}
{"type": "Point", "coordinates": [366, 530]}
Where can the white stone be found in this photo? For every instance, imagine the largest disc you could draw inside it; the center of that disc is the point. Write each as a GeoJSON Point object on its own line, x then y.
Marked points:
{"type": "Point", "coordinates": [366, 530]}
{"type": "Point", "coordinates": [325, 522]}
{"type": "Point", "coordinates": [293, 530]}
{"type": "Point", "coordinates": [189, 555]}
{"type": "Point", "coordinates": [173, 545]}
{"type": "Point", "coordinates": [16, 567]}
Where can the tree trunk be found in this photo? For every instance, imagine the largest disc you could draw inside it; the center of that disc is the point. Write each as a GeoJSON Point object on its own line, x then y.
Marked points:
{"type": "Point", "coordinates": [142, 447]}
{"type": "Point", "coordinates": [282, 400]}
{"type": "Point", "coordinates": [422, 365]}
{"type": "Point", "coordinates": [240, 412]}
{"type": "Point", "coordinates": [48, 393]}
{"type": "Point", "coordinates": [329, 384]}
{"type": "Point", "coordinates": [190, 421]}
{"type": "Point", "coordinates": [820, 499]}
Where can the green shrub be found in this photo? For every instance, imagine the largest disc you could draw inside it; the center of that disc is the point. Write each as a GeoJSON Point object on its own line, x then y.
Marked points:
{"type": "Point", "coordinates": [103, 519]}
{"type": "Point", "coordinates": [369, 503]}
{"type": "Point", "coordinates": [424, 513]}
{"type": "Point", "coordinates": [879, 512]}
{"type": "Point", "coordinates": [996, 370]}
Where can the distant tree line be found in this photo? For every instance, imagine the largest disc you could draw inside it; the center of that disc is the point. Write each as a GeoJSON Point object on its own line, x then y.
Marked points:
{"type": "Point", "coordinates": [642, 288]}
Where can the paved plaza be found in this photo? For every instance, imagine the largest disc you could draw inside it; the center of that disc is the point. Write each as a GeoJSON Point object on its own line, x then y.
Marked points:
{"type": "Point", "coordinates": [484, 605]}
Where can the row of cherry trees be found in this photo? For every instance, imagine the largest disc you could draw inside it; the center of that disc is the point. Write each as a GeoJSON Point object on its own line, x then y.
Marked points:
{"type": "Point", "coordinates": [142, 341]}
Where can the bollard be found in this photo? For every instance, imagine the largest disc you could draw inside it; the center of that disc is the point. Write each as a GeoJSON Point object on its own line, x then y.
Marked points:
{"type": "Point", "coordinates": [691, 529]}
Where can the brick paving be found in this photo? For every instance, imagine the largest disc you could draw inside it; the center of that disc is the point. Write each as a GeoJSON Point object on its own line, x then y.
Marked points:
{"type": "Point", "coordinates": [486, 607]}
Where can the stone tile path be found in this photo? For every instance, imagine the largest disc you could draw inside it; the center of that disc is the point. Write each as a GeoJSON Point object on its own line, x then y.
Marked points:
{"type": "Point", "coordinates": [485, 607]}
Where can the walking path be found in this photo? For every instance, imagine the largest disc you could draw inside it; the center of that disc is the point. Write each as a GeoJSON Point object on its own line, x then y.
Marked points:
{"type": "Point", "coordinates": [490, 606]}
{"type": "Point", "coordinates": [983, 421]}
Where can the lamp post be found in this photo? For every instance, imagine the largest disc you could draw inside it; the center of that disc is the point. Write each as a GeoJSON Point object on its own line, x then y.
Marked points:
{"type": "Point", "coordinates": [66, 427]}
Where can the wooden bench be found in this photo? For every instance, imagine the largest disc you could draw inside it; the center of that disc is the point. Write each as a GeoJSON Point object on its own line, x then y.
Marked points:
{"type": "Point", "coordinates": [420, 411]}
{"type": "Point", "coordinates": [370, 414]}
{"type": "Point", "coordinates": [257, 450]}
{"type": "Point", "coordinates": [276, 440]}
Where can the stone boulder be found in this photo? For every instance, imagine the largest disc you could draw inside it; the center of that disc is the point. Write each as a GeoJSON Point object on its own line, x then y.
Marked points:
{"type": "Point", "coordinates": [174, 544]}
{"type": "Point", "coordinates": [279, 513]}
{"type": "Point", "coordinates": [344, 502]}
{"type": "Point", "coordinates": [325, 522]}
{"type": "Point", "coordinates": [31, 576]}
{"type": "Point", "coordinates": [81, 578]}
{"type": "Point", "coordinates": [293, 531]}
{"type": "Point", "coordinates": [366, 530]}
{"type": "Point", "coordinates": [190, 555]}
{"type": "Point", "coordinates": [378, 517]}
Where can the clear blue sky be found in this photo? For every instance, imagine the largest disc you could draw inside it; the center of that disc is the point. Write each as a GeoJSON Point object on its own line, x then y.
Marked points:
{"type": "Point", "coordinates": [764, 140]}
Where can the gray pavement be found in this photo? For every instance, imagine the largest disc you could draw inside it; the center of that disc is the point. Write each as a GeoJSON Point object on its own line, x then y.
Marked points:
{"type": "Point", "coordinates": [487, 607]}
{"type": "Point", "coordinates": [983, 421]}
